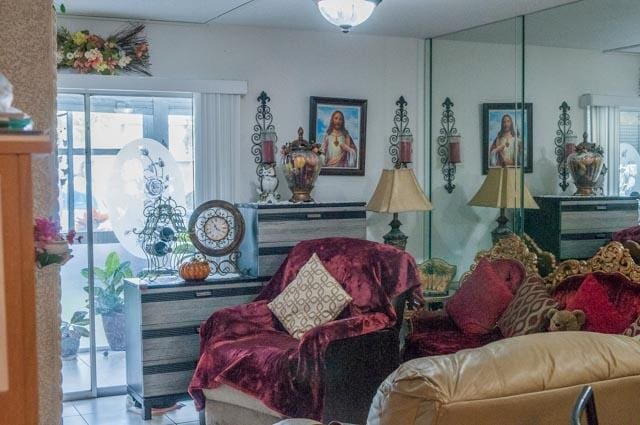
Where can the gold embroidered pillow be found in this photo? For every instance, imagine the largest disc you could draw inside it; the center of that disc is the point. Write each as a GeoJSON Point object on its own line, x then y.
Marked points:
{"type": "Point", "coordinates": [312, 299]}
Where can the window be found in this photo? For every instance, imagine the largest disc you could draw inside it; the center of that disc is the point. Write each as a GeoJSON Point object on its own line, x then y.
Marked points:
{"type": "Point", "coordinates": [629, 136]}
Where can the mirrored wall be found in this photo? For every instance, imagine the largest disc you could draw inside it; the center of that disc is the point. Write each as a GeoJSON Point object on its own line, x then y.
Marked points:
{"type": "Point", "coordinates": [524, 94]}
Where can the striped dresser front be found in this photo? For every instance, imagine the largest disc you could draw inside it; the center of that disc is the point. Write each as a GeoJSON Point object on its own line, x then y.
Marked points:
{"type": "Point", "coordinates": [273, 229]}
{"type": "Point", "coordinates": [162, 326]}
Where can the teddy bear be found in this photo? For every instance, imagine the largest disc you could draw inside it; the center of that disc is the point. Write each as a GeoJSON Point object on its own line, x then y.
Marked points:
{"type": "Point", "coordinates": [565, 320]}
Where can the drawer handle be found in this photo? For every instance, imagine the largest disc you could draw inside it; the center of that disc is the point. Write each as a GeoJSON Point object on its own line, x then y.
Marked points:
{"type": "Point", "coordinates": [314, 215]}
{"type": "Point", "coordinates": [203, 294]}
{"type": "Point", "coordinates": [601, 207]}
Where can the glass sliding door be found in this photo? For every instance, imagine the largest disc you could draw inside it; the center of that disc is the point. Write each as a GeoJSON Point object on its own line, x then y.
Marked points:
{"type": "Point", "coordinates": [89, 201]}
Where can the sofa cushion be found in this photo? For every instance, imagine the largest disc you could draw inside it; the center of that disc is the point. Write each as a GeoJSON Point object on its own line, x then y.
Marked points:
{"type": "Point", "coordinates": [601, 314]}
{"type": "Point", "coordinates": [312, 299]}
{"type": "Point", "coordinates": [526, 313]}
{"type": "Point", "coordinates": [480, 301]}
{"type": "Point", "coordinates": [633, 329]}
{"type": "Point", "coordinates": [511, 271]}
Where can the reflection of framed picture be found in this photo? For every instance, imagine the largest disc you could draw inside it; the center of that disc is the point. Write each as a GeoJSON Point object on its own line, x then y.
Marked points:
{"type": "Point", "coordinates": [504, 143]}
{"type": "Point", "coordinates": [340, 126]}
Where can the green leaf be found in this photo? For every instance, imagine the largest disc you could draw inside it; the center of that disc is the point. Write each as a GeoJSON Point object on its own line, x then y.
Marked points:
{"type": "Point", "coordinates": [78, 315]}
{"type": "Point", "coordinates": [82, 331]}
{"type": "Point", "coordinates": [63, 9]}
{"type": "Point", "coordinates": [84, 273]}
{"type": "Point", "coordinates": [84, 322]}
{"type": "Point", "coordinates": [111, 263]}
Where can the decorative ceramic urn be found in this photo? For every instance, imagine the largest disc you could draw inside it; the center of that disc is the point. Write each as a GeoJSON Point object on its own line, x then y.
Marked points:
{"type": "Point", "coordinates": [585, 166]}
{"type": "Point", "coordinates": [302, 162]}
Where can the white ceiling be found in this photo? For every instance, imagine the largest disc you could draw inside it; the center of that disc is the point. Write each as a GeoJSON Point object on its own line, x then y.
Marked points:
{"type": "Point", "coordinates": [588, 24]}
{"type": "Point", "coordinates": [404, 18]}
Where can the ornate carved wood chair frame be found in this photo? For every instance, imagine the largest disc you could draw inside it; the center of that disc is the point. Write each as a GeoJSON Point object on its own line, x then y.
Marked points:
{"type": "Point", "coordinates": [611, 258]}
{"type": "Point", "coordinates": [510, 248]}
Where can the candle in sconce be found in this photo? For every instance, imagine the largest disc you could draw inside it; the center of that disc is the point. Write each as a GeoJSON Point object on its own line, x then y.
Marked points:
{"type": "Point", "coordinates": [569, 145]}
{"type": "Point", "coordinates": [268, 148]}
{"type": "Point", "coordinates": [405, 148]}
{"type": "Point", "coordinates": [454, 149]}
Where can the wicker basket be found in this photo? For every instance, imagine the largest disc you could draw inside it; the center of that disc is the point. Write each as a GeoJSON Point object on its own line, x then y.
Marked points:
{"type": "Point", "coordinates": [436, 275]}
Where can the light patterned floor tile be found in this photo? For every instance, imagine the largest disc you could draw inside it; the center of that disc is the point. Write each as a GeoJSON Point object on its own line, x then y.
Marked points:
{"type": "Point", "coordinates": [73, 420]}
{"type": "Point", "coordinates": [185, 414]}
{"type": "Point", "coordinates": [69, 410]}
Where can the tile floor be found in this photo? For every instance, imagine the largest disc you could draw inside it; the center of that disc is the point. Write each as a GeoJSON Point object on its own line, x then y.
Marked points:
{"type": "Point", "coordinates": [110, 371]}
{"type": "Point", "coordinates": [113, 411]}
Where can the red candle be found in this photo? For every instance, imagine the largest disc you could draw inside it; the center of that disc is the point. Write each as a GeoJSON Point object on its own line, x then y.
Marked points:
{"type": "Point", "coordinates": [569, 148]}
{"type": "Point", "coordinates": [405, 148]}
{"type": "Point", "coordinates": [454, 153]}
{"type": "Point", "coordinates": [268, 152]}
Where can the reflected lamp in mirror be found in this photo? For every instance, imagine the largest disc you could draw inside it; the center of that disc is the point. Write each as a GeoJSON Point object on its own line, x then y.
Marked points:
{"type": "Point", "coordinates": [398, 191]}
{"type": "Point", "coordinates": [346, 14]}
{"type": "Point", "coordinates": [503, 188]}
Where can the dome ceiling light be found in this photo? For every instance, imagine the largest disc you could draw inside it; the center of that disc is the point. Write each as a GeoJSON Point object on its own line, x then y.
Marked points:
{"type": "Point", "coordinates": [346, 13]}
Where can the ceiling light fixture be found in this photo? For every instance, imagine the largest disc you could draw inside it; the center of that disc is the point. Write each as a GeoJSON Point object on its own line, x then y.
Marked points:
{"type": "Point", "coordinates": [346, 13]}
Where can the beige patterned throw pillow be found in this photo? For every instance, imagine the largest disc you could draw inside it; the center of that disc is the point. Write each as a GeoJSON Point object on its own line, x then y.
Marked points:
{"type": "Point", "coordinates": [312, 299]}
{"type": "Point", "coordinates": [527, 312]}
{"type": "Point", "coordinates": [633, 329]}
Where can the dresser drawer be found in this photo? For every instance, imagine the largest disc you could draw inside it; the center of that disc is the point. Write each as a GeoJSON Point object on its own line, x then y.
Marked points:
{"type": "Point", "coordinates": [182, 343]}
{"type": "Point", "coordinates": [192, 306]}
{"type": "Point", "coordinates": [163, 379]}
{"type": "Point", "coordinates": [594, 216]}
{"type": "Point", "coordinates": [307, 225]}
{"type": "Point", "coordinates": [583, 245]}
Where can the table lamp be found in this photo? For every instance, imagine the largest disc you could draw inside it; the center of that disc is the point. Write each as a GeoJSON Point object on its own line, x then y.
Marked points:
{"type": "Point", "coordinates": [501, 189]}
{"type": "Point", "coordinates": [398, 191]}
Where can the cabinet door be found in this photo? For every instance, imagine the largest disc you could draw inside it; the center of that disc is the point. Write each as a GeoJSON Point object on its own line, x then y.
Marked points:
{"type": "Point", "coordinates": [20, 402]}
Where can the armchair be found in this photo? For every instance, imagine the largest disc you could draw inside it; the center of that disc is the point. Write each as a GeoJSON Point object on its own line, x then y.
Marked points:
{"type": "Point", "coordinates": [251, 371]}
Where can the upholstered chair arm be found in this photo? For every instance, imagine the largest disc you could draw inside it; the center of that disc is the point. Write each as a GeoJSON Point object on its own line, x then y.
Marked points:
{"type": "Point", "coordinates": [423, 320]}
{"type": "Point", "coordinates": [236, 322]}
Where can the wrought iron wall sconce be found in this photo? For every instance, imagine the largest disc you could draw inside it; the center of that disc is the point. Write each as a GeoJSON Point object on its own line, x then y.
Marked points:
{"type": "Point", "coordinates": [263, 148]}
{"type": "Point", "coordinates": [401, 139]}
{"type": "Point", "coordinates": [565, 144]}
{"type": "Point", "coordinates": [449, 145]}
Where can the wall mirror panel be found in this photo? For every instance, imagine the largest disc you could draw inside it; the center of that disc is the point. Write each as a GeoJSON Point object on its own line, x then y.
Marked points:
{"type": "Point", "coordinates": [476, 102]}
{"type": "Point", "coordinates": [582, 64]}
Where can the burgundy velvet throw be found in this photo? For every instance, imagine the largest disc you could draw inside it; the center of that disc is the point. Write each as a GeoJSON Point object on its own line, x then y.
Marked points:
{"type": "Point", "coordinates": [246, 348]}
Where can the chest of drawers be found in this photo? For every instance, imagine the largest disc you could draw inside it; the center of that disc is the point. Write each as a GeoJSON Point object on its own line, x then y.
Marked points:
{"type": "Point", "coordinates": [575, 227]}
{"type": "Point", "coordinates": [162, 325]}
{"type": "Point", "coordinates": [271, 230]}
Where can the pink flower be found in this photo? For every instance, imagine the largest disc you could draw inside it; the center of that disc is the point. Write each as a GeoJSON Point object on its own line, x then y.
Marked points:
{"type": "Point", "coordinates": [71, 236]}
{"type": "Point", "coordinates": [46, 230]}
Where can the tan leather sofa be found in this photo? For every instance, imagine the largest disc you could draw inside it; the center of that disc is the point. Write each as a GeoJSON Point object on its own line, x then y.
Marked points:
{"type": "Point", "coordinates": [534, 379]}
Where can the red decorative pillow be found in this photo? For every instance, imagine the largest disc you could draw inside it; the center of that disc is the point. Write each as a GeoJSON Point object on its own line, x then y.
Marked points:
{"type": "Point", "coordinates": [480, 301]}
{"type": "Point", "coordinates": [602, 316]}
{"type": "Point", "coordinates": [511, 271]}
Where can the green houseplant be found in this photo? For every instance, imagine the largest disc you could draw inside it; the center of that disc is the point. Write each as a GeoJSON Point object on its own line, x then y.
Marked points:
{"type": "Point", "coordinates": [109, 298]}
{"type": "Point", "coordinates": [71, 332]}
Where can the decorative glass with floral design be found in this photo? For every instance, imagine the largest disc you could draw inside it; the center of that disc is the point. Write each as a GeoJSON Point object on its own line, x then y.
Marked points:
{"type": "Point", "coordinates": [302, 162]}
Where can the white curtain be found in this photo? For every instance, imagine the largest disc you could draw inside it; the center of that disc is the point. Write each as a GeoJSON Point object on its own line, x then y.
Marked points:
{"type": "Point", "coordinates": [217, 129]}
{"type": "Point", "coordinates": [605, 131]}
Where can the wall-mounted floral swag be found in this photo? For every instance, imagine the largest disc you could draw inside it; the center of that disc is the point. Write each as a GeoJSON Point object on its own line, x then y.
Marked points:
{"type": "Point", "coordinates": [87, 53]}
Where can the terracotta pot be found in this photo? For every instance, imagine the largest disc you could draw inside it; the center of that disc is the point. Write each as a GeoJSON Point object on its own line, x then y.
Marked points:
{"type": "Point", "coordinates": [114, 329]}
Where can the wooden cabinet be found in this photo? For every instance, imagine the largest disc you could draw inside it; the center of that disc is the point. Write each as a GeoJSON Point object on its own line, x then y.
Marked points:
{"type": "Point", "coordinates": [163, 343]}
{"type": "Point", "coordinates": [271, 230]}
{"type": "Point", "coordinates": [18, 351]}
{"type": "Point", "coordinates": [575, 227]}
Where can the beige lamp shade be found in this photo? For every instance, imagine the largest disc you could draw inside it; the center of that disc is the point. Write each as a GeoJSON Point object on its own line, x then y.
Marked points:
{"type": "Point", "coordinates": [398, 191]}
{"type": "Point", "coordinates": [501, 189]}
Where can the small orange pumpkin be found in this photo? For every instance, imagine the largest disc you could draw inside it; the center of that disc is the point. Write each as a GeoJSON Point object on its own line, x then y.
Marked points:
{"type": "Point", "coordinates": [194, 269]}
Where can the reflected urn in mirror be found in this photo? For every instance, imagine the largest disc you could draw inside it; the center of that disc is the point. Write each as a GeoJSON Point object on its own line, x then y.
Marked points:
{"type": "Point", "coordinates": [302, 162]}
{"type": "Point", "coordinates": [585, 166]}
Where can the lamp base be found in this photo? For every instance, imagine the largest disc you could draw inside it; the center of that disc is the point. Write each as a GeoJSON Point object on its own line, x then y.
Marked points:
{"type": "Point", "coordinates": [502, 230]}
{"type": "Point", "coordinates": [395, 236]}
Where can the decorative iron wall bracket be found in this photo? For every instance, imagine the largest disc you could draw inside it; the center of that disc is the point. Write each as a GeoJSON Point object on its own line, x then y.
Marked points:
{"type": "Point", "coordinates": [399, 131]}
{"type": "Point", "coordinates": [266, 170]}
{"type": "Point", "coordinates": [448, 129]}
{"type": "Point", "coordinates": [563, 133]}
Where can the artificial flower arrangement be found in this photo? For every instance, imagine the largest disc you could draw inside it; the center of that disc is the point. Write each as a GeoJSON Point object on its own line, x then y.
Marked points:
{"type": "Point", "coordinates": [52, 247]}
{"type": "Point", "coordinates": [127, 50]}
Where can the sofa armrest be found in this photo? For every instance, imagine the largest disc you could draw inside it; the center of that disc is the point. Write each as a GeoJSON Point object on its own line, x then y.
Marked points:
{"type": "Point", "coordinates": [354, 369]}
{"type": "Point", "coordinates": [423, 320]}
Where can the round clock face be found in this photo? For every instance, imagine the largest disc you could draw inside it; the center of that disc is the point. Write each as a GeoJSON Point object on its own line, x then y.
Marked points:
{"type": "Point", "coordinates": [216, 228]}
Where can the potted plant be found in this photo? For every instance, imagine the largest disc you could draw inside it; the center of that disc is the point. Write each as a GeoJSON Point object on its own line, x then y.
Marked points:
{"type": "Point", "coordinates": [71, 332]}
{"type": "Point", "coordinates": [109, 298]}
